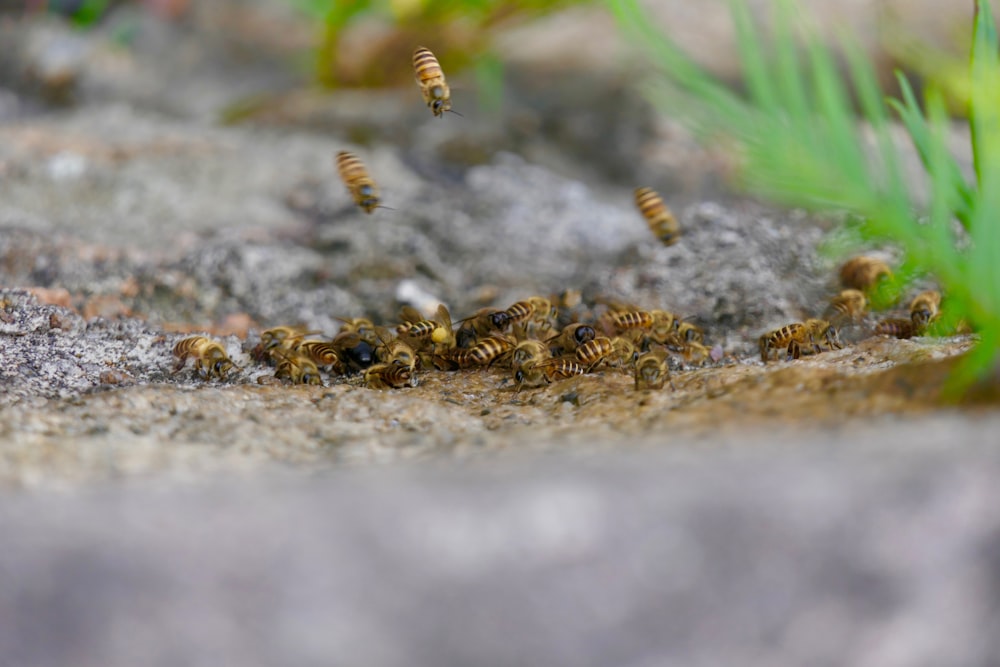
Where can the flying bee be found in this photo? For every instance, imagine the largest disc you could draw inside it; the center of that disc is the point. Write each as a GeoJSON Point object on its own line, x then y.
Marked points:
{"type": "Point", "coordinates": [924, 308]}
{"type": "Point", "coordinates": [297, 369]}
{"type": "Point", "coordinates": [661, 221]}
{"type": "Point", "coordinates": [210, 357]}
{"type": "Point", "coordinates": [389, 376]}
{"type": "Point", "coordinates": [355, 352]}
{"type": "Point", "coordinates": [355, 176]}
{"type": "Point", "coordinates": [795, 338]}
{"type": "Point", "coordinates": [485, 352]}
{"type": "Point", "coordinates": [652, 370]}
{"type": "Point", "coordinates": [529, 352]}
{"type": "Point", "coordinates": [485, 322]}
{"type": "Point", "coordinates": [324, 354]}
{"type": "Point", "coordinates": [571, 337]}
{"type": "Point", "coordinates": [848, 306]}
{"type": "Point", "coordinates": [864, 273]}
{"type": "Point", "coordinates": [593, 352]}
{"type": "Point", "coordinates": [430, 78]}
{"type": "Point", "coordinates": [896, 327]}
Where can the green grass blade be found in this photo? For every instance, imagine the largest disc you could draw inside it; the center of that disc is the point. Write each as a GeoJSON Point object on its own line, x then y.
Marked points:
{"type": "Point", "coordinates": [753, 55]}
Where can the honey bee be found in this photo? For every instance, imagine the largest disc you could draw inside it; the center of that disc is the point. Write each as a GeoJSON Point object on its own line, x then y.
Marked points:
{"type": "Point", "coordinates": [652, 370]}
{"type": "Point", "coordinates": [211, 358]}
{"type": "Point", "coordinates": [534, 312]}
{"type": "Point", "coordinates": [430, 78]}
{"type": "Point", "coordinates": [863, 273]}
{"type": "Point", "coordinates": [550, 370]}
{"type": "Point", "coordinates": [297, 369]}
{"type": "Point", "coordinates": [395, 351]}
{"type": "Point", "coordinates": [357, 353]}
{"type": "Point", "coordinates": [848, 306]}
{"type": "Point", "coordinates": [924, 308]}
{"type": "Point", "coordinates": [485, 322]}
{"type": "Point", "coordinates": [690, 333]}
{"type": "Point", "coordinates": [529, 352]}
{"type": "Point", "coordinates": [323, 354]}
{"type": "Point", "coordinates": [277, 338]}
{"type": "Point", "coordinates": [438, 331]}
{"type": "Point", "coordinates": [799, 337]}
{"type": "Point", "coordinates": [593, 352]}
{"type": "Point", "coordinates": [389, 376]}
{"type": "Point", "coordinates": [896, 327]}
{"type": "Point", "coordinates": [623, 321]}
{"type": "Point", "coordinates": [624, 352]}
{"type": "Point", "coordinates": [361, 326]}
{"type": "Point", "coordinates": [571, 337]}
{"type": "Point", "coordinates": [485, 352]}
{"type": "Point", "coordinates": [355, 176]}
{"type": "Point", "coordinates": [661, 221]}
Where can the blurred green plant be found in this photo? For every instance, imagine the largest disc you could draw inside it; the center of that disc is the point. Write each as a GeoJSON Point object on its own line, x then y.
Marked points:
{"type": "Point", "coordinates": [800, 143]}
{"type": "Point", "coordinates": [456, 30]}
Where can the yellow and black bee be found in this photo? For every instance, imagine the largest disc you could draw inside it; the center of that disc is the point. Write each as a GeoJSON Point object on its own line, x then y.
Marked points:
{"type": "Point", "coordinates": [661, 221]}
{"type": "Point", "coordinates": [430, 78]}
{"type": "Point", "coordinates": [355, 176]}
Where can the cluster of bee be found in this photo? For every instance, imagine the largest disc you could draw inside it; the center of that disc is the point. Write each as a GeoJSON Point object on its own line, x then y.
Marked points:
{"type": "Point", "coordinates": [524, 340]}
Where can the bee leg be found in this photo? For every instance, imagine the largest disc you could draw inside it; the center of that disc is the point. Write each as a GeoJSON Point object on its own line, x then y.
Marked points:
{"type": "Point", "coordinates": [794, 351]}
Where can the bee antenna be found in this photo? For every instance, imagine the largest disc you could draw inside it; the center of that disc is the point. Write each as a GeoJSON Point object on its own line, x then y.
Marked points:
{"type": "Point", "coordinates": [386, 207]}
{"type": "Point", "coordinates": [456, 113]}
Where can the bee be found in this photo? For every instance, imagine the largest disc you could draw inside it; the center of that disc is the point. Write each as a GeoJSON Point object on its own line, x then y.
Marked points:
{"type": "Point", "coordinates": [848, 306]}
{"type": "Point", "coordinates": [438, 331]}
{"type": "Point", "coordinates": [897, 327]}
{"type": "Point", "coordinates": [395, 351]}
{"type": "Point", "coordinates": [277, 338]}
{"type": "Point", "coordinates": [693, 351]}
{"type": "Point", "coordinates": [624, 352]}
{"type": "Point", "coordinates": [357, 353]}
{"type": "Point", "coordinates": [430, 78]}
{"type": "Point", "coordinates": [924, 308]}
{"type": "Point", "coordinates": [389, 376]}
{"type": "Point", "coordinates": [211, 358]}
{"type": "Point", "coordinates": [652, 370]}
{"type": "Point", "coordinates": [864, 273]}
{"type": "Point", "coordinates": [324, 354]}
{"type": "Point", "coordinates": [690, 333]}
{"type": "Point", "coordinates": [297, 369]}
{"type": "Point", "coordinates": [661, 221]}
{"type": "Point", "coordinates": [480, 325]}
{"type": "Point", "coordinates": [543, 372]}
{"type": "Point", "coordinates": [593, 352]}
{"type": "Point", "coordinates": [571, 337]}
{"type": "Point", "coordinates": [355, 176]}
{"type": "Point", "coordinates": [361, 326]}
{"type": "Point", "coordinates": [485, 352]}
{"type": "Point", "coordinates": [798, 337]}
{"type": "Point", "coordinates": [623, 321]}
{"type": "Point", "coordinates": [536, 310]}
{"type": "Point", "coordinates": [529, 352]}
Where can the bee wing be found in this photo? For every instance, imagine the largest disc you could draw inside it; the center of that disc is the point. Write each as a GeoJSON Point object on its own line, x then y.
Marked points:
{"type": "Point", "coordinates": [410, 314]}
{"type": "Point", "coordinates": [444, 317]}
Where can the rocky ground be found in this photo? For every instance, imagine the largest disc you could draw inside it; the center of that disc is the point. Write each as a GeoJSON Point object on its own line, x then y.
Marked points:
{"type": "Point", "coordinates": [768, 514]}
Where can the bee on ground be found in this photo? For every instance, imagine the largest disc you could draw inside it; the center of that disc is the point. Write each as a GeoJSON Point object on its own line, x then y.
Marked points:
{"type": "Point", "coordinates": [593, 352]}
{"type": "Point", "coordinates": [297, 369]}
{"type": "Point", "coordinates": [486, 352]}
{"type": "Point", "coordinates": [661, 221]}
{"type": "Point", "coordinates": [355, 176]}
{"type": "Point", "coordinates": [570, 338]}
{"type": "Point", "coordinates": [483, 323]}
{"type": "Point", "coordinates": [799, 337]}
{"type": "Point", "coordinates": [395, 351]}
{"type": "Point", "coordinates": [277, 338]}
{"type": "Point", "coordinates": [896, 327]}
{"type": "Point", "coordinates": [544, 372]}
{"type": "Point", "coordinates": [848, 306]}
{"type": "Point", "coordinates": [356, 353]}
{"type": "Point", "coordinates": [438, 332]}
{"type": "Point", "coordinates": [924, 308]}
{"type": "Point", "coordinates": [362, 326]}
{"type": "Point", "coordinates": [652, 370]}
{"type": "Point", "coordinates": [323, 354]}
{"type": "Point", "coordinates": [389, 376]}
{"type": "Point", "coordinates": [430, 78]}
{"type": "Point", "coordinates": [535, 312]}
{"type": "Point", "coordinates": [210, 357]}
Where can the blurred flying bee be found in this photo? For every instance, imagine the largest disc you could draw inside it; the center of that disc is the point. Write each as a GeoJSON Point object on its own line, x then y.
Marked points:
{"type": "Point", "coordinates": [210, 357]}
{"type": "Point", "coordinates": [297, 369]}
{"type": "Point", "coordinates": [924, 308]}
{"type": "Point", "coordinates": [430, 78]}
{"type": "Point", "coordinates": [323, 354]}
{"type": "Point", "coordinates": [896, 327]}
{"type": "Point", "coordinates": [535, 312]}
{"type": "Point", "coordinates": [354, 351]}
{"type": "Point", "coordinates": [355, 176]}
{"type": "Point", "coordinates": [389, 376]}
{"type": "Point", "coordinates": [570, 338]}
{"type": "Point", "coordinates": [593, 352]}
{"type": "Point", "coordinates": [661, 221]}
{"type": "Point", "coordinates": [550, 370]}
{"type": "Point", "coordinates": [652, 370]}
{"type": "Point", "coordinates": [848, 306]}
{"type": "Point", "coordinates": [485, 352]}
{"type": "Point", "coordinates": [485, 322]}
{"type": "Point", "coordinates": [864, 273]}
{"type": "Point", "coordinates": [798, 337]}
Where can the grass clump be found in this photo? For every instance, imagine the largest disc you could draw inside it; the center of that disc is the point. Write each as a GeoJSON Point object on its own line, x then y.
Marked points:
{"type": "Point", "coordinates": [799, 139]}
